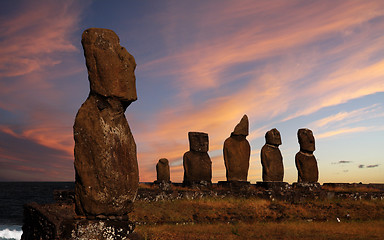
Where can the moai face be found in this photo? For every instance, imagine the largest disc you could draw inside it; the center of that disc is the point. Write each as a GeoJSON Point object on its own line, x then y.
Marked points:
{"type": "Point", "coordinates": [198, 141]}
{"type": "Point", "coordinates": [273, 137]}
{"type": "Point", "coordinates": [110, 67]}
{"type": "Point", "coordinates": [306, 140]}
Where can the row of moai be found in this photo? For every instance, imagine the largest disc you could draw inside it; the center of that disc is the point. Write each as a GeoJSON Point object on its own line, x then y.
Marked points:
{"type": "Point", "coordinates": [236, 152]}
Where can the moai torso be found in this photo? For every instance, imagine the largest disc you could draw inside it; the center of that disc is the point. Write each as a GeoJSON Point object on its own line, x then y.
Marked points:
{"type": "Point", "coordinates": [162, 170]}
{"type": "Point", "coordinates": [197, 163]}
{"type": "Point", "coordinates": [237, 151]}
{"type": "Point", "coordinates": [105, 152]}
{"type": "Point", "coordinates": [271, 158]}
{"type": "Point", "coordinates": [306, 163]}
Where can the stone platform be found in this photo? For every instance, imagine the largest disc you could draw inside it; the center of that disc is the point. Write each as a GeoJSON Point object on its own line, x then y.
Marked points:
{"type": "Point", "coordinates": [59, 222]}
{"type": "Point", "coordinates": [281, 186]}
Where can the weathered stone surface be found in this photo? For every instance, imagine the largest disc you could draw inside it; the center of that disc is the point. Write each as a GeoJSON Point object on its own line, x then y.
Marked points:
{"type": "Point", "coordinates": [198, 141]}
{"type": "Point", "coordinates": [242, 128]}
{"type": "Point", "coordinates": [59, 222]}
{"type": "Point", "coordinates": [105, 151]}
{"type": "Point", "coordinates": [197, 163]}
{"type": "Point", "coordinates": [237, 151]}
{"type": "Point", "coordinates": [306, 163]}
{"type": "Point", "coordinates": [271, 158]}
{"type": "Point", "coordinates": [162, 170]}
{"type": "Point", "coordinates": [306, 140]}
{"type": "Point", "coordinates": [110, 67]}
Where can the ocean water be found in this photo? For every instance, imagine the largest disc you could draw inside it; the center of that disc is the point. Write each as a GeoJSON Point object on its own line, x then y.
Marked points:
{"type": "Point", "coordinates": [13, 195]}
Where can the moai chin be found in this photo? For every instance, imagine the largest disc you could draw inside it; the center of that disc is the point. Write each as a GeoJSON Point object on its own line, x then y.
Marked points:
{"type": "Point", "coordinates": [162, 171]}
{"type": "Point", "coordinates": [197, 163]}
{"type": "Point", "coordinates": [306, 163]}
{"type": "Point", "coordinates": [237, 151]}
{"type": "Point", "coordinates": [271, 158]}
{"type": "Point", "coordinates": [106, 166]}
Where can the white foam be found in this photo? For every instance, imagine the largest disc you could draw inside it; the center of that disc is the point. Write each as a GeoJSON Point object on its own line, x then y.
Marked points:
{"type": "Point", "coordinates": [10, 234]}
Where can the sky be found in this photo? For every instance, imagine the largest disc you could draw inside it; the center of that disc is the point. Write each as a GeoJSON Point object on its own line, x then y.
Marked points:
{"type": "Point", "coordinates": [201, 65]}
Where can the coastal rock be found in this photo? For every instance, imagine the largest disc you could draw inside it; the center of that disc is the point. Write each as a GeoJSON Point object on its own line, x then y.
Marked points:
{"type": "Point", "coordinates": [271, 158]}
{"type": "Point", "coordinates": [306, 163]}
{"type": "Point", "coordinates": [162, 170]}
{"type": "Point", "coordinates": [197, 163]}
{"type": "Point", "coordinates": [237, 151]}
{"type": "Point", "coordinates": [105, 151]}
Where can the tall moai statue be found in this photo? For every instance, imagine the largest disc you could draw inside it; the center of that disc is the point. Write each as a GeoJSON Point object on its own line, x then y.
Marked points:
{"type": "Point", "coordinates": [271, 158]}
{"type": "Point", "coordinates": [306, 163]}
{"type": "Point", "coordinates": [162, 171]}
{"type": "Point", "coordinates": [106, 166]}
{"type": "Point", "coordinates": [197, 163]}
{"type": "Point", "coordinates": [237, 152]}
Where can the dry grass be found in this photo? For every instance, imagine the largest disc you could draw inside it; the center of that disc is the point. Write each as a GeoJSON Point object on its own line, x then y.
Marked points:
{"type": "Point", "coordinates": [286, 230]}
{"type": "Point", "coordinates": [254, 218]}
{"type": "Point", "coordinates": [208, 210]}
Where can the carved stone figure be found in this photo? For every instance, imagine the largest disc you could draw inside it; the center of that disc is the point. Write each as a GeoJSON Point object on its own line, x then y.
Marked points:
{"type": "Point", "coordinates": [105, 152]}
{"type": "Point", "coordinates": [306, 163]}
{"type": "Point", "coordinates": [162, 170]}
{"type": "Point", "coordinates": [197, 163]}
{"type": "Point", "coordinates": [237, 152]}
{"type": "Point", "coordinates": [271, 158]}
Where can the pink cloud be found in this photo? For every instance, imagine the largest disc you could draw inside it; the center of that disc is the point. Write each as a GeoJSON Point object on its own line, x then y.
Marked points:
{"type": "Point", "coordinates": [34, 34]}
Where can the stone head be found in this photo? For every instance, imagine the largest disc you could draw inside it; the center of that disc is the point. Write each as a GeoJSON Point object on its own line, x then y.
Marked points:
{"type": "Point", "coordinates": [110, 66]}
{"type": "Point", "coordinates": [242, 128]}
{"type": "Point", "coordinates": [198, 141]}
{"type": "Point", "coordinates": [306, 140]}
{"type": "Point", "coordinates": [163, 161]}
{"type": "Point", "coordinates": [273, 137]}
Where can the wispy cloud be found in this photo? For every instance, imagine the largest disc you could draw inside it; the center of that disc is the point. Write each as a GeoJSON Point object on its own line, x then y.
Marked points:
{"type": "Point", "coordinates": [372, 166]}
{"type": "Point", "coordinates": [342, 162]}
{"type": "Point", "coordinates": [341, 131]}
{"type": "Point", "coordinates": [32, 36]}
{"type": "Point", "coordinates": [369, 166]}
{"type": "Point", "coordinates": [34, 41]}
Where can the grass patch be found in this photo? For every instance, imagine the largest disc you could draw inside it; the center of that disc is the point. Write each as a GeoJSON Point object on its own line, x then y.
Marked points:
{"type": "Point", "coordinates": [286, 230]}
{"type": "Point", "coordinates": [250, 210]}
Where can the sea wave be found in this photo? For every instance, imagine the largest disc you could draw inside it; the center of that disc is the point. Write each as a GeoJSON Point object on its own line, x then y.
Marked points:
{"type": "Point", "coordinates": [10, 233]}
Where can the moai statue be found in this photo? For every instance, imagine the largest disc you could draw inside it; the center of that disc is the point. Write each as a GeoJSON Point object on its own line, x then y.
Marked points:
{"type": "Point", "coordinates": [305, 160]}
{"type": "Point", "coordinates": [162, 170]}
{"type": "Point", "coordinates": [197, 163]}
{"type": "Point", "coordinates": [271, 158]}
{"type": "Point", "coordinates": [106, 166]}
{"type": "Point", "coordinates": [237, 152]}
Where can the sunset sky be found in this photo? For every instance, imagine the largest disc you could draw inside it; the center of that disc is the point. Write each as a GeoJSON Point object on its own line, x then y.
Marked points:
{"type": "Point", "coordinates": [201, 65]}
